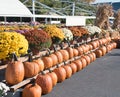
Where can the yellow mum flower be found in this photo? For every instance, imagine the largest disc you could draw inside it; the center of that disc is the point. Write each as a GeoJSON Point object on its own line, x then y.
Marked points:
{"type": "Point", "coordinates": [12, 42]}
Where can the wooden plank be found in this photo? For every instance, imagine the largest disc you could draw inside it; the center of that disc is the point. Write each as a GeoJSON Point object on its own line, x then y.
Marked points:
{"type": "Point", "coordinates": [3, 66]}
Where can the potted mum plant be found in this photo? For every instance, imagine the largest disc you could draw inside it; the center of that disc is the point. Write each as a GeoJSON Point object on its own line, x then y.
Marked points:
{"type": "Point", "coordinates": [38, 40]}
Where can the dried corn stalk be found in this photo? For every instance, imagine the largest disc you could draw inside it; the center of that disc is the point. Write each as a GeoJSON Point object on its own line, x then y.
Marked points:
{"type": "Point", "coordinates": [116, 24]}
{"type": "Point", "coordinates": [102, 16]}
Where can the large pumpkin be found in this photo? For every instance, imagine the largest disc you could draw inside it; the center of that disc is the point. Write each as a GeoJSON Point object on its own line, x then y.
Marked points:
{"type": "Point", "coordinates": [65, 55]}
{"type": "Point", "coordinates": [14, 72]}
{"type": "Point", "coordinates": [61, 74]}
{"type": "Point", "coordinates": [68, 71]}
{"type": "Point", "coordinates": [31, 68]}
{"type": "Point", "coordinates": [59, 56]}
{"type": "Point", "coordinates": [32, 90]}
{"type": "Point", "coordinates": [40, 64]}
{"type": "Point", "coordinates": [78, 64]}
{"type": "Point", "coordinates": [45, 82]}
{"type": "Point", "coordinates": [54, 59]}
{"type": "Point", "coordinates": [48, 62]}
{"type": "Point", "coordinates": [70, 51]}
{"type": "Point", "coordinates": [53, 77]}
{"type": "Point", "coordinates": [73, 67]}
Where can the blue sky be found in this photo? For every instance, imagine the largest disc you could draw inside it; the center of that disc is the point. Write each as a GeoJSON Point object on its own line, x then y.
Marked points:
{"type": "Point", "coordinates": [97, 1]}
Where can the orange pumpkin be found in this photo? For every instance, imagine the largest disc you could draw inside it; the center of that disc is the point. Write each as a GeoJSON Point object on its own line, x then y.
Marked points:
{"type": "Point", "coordinates": [78, 64]}
{"type": "Point", "coordinates": [94, 44]}
{"type": "Point", "coordinates": [65, 55]}
{"type": "Point", "coordinates": [70, 51]}
{"type": "Point", "coordinates": [54, 59]}
{"type": "Point", "coordinates": [59, 56]}
{"type": "Point", "coordinates": [48, 62]}
{"type": "Point", "coordinates": [80, 50]}
{"type": "Point", "coordinates": [40, 64]}
{"type": "Point", "coordinates": [32, 90]}
{"type": "Point", "coordinates": [73, 67]}
{"type": "Point", "coordinates": [104, 50]}
{"type": "Point", "coordinates": [87, 58]}
{"type": "Point", "coordinates": [75, 52]}
{"type": "Point", "coordinates": [84, 62]}
{"type": "Point", "coordinates": [91, 57]}
{"type": "Point", "coordinates": [68, 71]}
{"type": "Point", "coordinates": [61, 74]}
{"type": "Point", "coordinates": [14, 72]}
{"type": "Point", "coordinates": [98, 53]}
{"type": "Point", "coordinates": [94, 56]}
{"type": "Point", "coordinates": [31, 68]}
{"type": "Point", "coordinates": [53, 77]}
{"type": "Point", "coordinates": [45, 82]}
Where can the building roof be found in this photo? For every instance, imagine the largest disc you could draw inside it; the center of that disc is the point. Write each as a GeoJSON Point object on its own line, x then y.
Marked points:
{"type": "Point", "coordinates": [14, 8]}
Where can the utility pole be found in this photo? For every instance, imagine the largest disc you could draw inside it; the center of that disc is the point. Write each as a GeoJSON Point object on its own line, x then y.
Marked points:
{"type": "Point", "coordinates": [73, 9]}
{"type": "Point", "coordinates": [33, 8]}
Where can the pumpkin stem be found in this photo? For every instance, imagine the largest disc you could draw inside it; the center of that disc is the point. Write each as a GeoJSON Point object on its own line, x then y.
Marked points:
{"type": "Point", "coordinates": [42, 72]}
{"type": "Point", "coordinates": [50, 70]}
{"type": "Point", "coordinates": [54, 47]}
{"type": "Point", "coordinates": [48, 52]}
{"type": "Point", "coordinates": [61, 46]}
{"type": "Point", "coordinates": [29, 57]}
{"type": "Point", "coordinates": [14, 57]}
{"type": "Point", "coordinates": [64, 62]}
{"type": "Point", "coordinates": [57, 66]}
{"type": "Point", "coordinates": [68, 43]}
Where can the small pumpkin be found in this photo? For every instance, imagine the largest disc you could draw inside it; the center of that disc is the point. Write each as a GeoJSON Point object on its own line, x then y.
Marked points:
{"type": "Point", "coordinates": [94, 56]}
{"type": "Point", "coordinates": [87, 58]}
{"type": "Point", "coordinates": [45, 82]}
{"type": "Point", "coordinates": [78, 64]}
{"type": "Point", "coordinates": [54, 59]}
{"type": "Point", "coordinates": [15, 71]}
{"type": "Point", "coordinates": [65, 55]}
{"type": "Point", "coordinates": [59, 56]}
{"type": "Point", "coordinates": [32, 90]}
{"type": "Point", "coordinates": [104, 50]}
{"type": "Point", "coordinates": [94, 44]}
{"type": "Point", "coordinates": [84, 62]}
{"type": "Point", "coordinates": [80, 50]}
{"type": "Point", "coordinates": [91, 57]}
{"type": "Point", "coordinates": [31, 68]}
{"type": "Point", "coordinates": [75, 52]}
{"type": "Point", "coordinates": [68, 71]}
{"type": "Point", "coordinates": [84, 48]}
{"type": "Point", "coordinates": [40, 64]}
{"type": "Point", "coordinates": [53, 77]}
{"type": "Point", "coordinates": [73, 67]}
{"type": "Point", "coordinates": [98, 53]}
{"type": "Point", "coordinates": [70, 51]}
{"type": "Point", "coordinates": [87, 47]}
{"type": "Point", "coordinates": [48, 62]}
{"type": "Point", "coordinates": [61, 73]}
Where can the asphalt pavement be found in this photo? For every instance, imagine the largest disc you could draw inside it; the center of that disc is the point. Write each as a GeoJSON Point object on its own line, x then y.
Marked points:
{"type": "Point", "coordinates": [101, 78]}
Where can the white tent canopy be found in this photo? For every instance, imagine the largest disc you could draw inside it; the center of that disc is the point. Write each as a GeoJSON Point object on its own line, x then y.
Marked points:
{"type": "Point", "coordinates": [14, 8]}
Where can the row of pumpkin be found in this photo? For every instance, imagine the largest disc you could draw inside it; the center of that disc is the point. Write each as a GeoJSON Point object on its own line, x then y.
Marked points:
{"type": "Point", "coordinates": [16, 70]}
{"type": "Point", "coordinates": [44, 83]}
